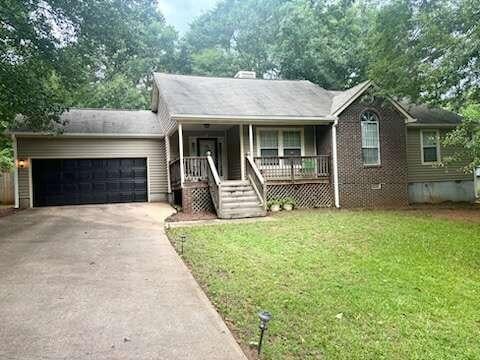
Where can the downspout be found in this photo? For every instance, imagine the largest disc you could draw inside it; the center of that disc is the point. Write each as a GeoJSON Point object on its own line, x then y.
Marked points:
{"type": "Point", "coordinates": [15, 171]}
{"type": "Point", "coordinates": [334, 163]}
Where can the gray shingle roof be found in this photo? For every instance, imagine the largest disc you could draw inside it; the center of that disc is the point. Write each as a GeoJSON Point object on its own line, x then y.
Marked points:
{"type": "Point", "coordinates": [108, 122]}
{"type": "Point", "coordinates": [197, 95]}
{"type": "Point", "coordinates": [429, 116]}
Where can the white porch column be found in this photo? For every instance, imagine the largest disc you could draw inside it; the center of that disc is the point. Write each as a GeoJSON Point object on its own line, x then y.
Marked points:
{"type": "Point", "coordinates": [180, 151]}
{"type": "Point", "coordinates": [242, 153]}
{"type": "Point", "coordinates": [334, 165]}
{"type": "Point", "coordinates": [250, 139]}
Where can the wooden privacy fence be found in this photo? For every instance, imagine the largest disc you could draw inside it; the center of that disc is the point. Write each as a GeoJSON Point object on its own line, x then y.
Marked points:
{"type": "Point", "coordinates": [7, 196]}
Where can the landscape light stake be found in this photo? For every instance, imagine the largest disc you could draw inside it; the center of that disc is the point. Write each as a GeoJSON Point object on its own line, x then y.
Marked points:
{"type": "Point", "coordinates": [265, 317]}
{"type": "Point", "coordinates": [183, 237]}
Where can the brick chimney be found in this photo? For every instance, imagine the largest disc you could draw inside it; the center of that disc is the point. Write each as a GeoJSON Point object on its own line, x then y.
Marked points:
{"type": "Point", "coordinates": [245, 75]}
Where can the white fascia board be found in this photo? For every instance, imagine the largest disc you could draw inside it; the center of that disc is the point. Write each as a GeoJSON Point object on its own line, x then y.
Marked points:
{"type": "Point", "coordinates": [354, 97]}
{"type": "Point", "coordinates": [223, 119]}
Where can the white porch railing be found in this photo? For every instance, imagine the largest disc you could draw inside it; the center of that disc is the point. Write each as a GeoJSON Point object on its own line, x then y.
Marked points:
{"type": "Point", "coordinates": [292, 168]}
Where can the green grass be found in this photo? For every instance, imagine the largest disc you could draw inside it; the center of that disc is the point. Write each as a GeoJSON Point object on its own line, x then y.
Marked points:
{"type": "Point", "coordinates": [407, 284]}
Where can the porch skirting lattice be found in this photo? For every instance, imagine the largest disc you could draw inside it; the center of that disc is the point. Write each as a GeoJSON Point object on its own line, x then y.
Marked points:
{"type": "Point", "coordinates": [317, 195]}
{"type": "Point", "coordinates": [196, 199]}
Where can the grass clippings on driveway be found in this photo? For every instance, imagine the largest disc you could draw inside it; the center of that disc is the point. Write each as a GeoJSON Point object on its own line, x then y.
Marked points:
{"type": "Point", "coordinates": [346, 284]}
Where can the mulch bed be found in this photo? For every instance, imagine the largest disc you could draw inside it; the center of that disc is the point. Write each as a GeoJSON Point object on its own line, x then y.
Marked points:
{"type": "Point", "coordinates": [181, 216]}
{"type": "Point", "coordinates": [451, 211]}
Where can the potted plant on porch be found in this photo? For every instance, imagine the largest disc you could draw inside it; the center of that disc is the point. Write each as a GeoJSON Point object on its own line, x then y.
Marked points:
{"type": "Point", "coordinates": [288, 203]}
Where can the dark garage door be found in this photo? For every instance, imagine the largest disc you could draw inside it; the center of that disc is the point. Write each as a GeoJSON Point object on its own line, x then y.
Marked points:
{"type": "Point", "coordinates": [88, 181]}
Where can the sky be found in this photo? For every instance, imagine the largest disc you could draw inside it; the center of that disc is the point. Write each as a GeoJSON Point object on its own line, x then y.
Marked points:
{"type": "Point", "coordinates": [180, 13]}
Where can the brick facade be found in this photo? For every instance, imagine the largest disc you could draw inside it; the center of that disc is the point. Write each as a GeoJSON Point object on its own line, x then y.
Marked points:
{"type": "Point", "coordinates": [356, 181]}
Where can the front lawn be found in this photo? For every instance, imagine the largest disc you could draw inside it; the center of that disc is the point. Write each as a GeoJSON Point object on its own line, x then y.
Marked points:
{"type": "Point", "coordinates": [346, 284]}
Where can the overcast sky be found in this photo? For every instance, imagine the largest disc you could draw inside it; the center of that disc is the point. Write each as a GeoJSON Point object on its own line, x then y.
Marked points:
{"type": "Point", "coordinates": [180, 13]}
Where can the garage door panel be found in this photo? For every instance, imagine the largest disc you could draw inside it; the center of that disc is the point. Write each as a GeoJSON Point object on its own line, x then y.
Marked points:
{"type": "Point", "coordinates": [88, 181]}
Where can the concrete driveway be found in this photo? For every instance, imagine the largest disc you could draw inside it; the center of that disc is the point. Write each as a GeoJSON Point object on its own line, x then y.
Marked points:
{"type": "Point", "coordinates": [101, 282]}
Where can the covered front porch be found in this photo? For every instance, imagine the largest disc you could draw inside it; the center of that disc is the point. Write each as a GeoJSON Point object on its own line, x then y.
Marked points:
{"type": "Point", "coordinates": [277, 161]}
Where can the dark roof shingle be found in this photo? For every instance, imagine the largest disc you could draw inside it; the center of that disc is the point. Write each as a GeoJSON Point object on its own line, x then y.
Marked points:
{"type": "Point", "coordinates": [108, 122]}
{"type": "Point", "coordinates": [197, 95]}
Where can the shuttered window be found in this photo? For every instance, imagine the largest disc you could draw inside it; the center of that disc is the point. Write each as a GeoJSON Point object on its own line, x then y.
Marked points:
{"type": "Point", "coordinates": [370, 138]}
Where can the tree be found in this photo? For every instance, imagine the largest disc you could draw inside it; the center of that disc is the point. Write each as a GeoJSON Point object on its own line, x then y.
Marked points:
{"type": "Point", "coordinates": [213, 61]}
{"type": "Point", "coordinates": [324, 42]}
{"type": "Point", "coordinates": [244, 30]}
{"type": "Point", "coordinates": [428, 51]}
{"type": "Point", "coordinates": [294, 39]}
{"type": "Point", "coordinates": [121, 77]}
{"type": "Point", "coordinates": [52, 51]}
{"type": "Point", "coordinates": [466, 137]}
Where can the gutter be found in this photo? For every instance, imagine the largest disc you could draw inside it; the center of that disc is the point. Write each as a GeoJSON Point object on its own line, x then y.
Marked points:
{"type": "Point", "coordinates": [252, 119]}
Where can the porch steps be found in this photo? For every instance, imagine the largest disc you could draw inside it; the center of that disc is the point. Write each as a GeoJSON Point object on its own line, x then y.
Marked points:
{"type": "Point", "coordinates": [239, 200]}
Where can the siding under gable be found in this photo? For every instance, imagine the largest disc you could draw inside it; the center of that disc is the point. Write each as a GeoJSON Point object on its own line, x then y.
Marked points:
{"type": "Point", "coordinates": [418, 172]}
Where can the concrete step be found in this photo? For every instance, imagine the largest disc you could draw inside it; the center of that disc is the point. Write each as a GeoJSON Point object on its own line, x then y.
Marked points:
{"type": "Point", "coordinates": [242, 213]}
{"type": "Point", "coordinates": [241, 205]}
{"type": "Point", "coordinates": [241, 198]}
{"type": "Point", "coordinates": [235, 182]}
{"type": "Point", "coordinates": [238, 193]}
{"type": "Point", "coordinates": [237, 188]}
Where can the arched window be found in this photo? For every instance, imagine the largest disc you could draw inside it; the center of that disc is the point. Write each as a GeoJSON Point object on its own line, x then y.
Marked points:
{"type": "Point", "coordinates": [370, 138]}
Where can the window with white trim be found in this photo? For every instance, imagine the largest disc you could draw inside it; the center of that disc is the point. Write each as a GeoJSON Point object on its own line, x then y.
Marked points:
{"type": "Point", "coordinates": [430, 142]}
{"type": "Point", "coordinates": [370, 138]}
{"type": "Point", "coordinates": [280, 142]}
{"type": "Point", "coordinates": [292, 143]}
{"type": "Point", "coordinates": [268, 143]}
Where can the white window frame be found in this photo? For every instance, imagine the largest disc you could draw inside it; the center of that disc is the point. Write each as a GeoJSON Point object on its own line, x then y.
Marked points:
{"type": "Point", "coordinates": [437, 145]}
{"type": "Point", "coordinates": [379, 161]}
{"type": "Point", "coordinates": [280, 132]}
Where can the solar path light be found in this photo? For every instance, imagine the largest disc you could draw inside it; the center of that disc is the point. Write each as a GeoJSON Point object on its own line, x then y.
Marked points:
{"type": "Point", "coordinates": [264, 317]}
{"type": "Point", "coordinates": [183, 238]}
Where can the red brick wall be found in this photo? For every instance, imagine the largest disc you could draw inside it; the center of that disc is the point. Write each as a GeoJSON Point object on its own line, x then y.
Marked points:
{"type": "Point", "coordinates": [355, 179]}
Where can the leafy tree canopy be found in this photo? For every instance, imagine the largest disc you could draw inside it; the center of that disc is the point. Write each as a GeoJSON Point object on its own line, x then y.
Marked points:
{"type": "Point", "coordinates": [54, 52]}
{"type": "Point", "coordinates": [428, 50]}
